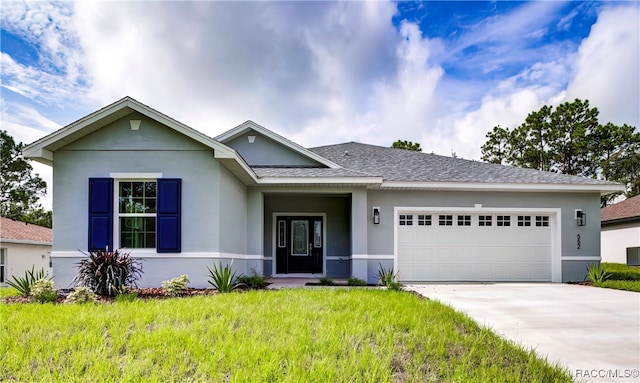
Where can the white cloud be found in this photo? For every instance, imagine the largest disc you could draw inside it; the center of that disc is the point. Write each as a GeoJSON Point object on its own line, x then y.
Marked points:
{"type": "Point", "coordinates": [608, 66]}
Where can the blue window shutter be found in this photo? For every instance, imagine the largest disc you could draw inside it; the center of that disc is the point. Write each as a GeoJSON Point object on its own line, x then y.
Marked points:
{"type": "Point", "coordinates": [100, 213]}
{"type": "Point", "coordinates": [169, 222]}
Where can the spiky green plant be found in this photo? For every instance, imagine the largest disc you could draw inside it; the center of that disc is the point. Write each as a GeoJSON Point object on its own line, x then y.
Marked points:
{"type": "Point", "coordinates": [388, 278]}
{"type": "Point", "coordinates": [596, 274]}
{"type": "Point", "coordinates": [23, 284]}
{"type": "Point", "coordinates": [222, 278]}
{"type": "Point", "coordinates": [107, 273]}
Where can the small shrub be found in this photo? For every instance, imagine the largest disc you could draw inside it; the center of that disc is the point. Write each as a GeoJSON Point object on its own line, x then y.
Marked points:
{"type": "Point", "coordinates": [23, 285]}
{"type": "Point", "coordinates": [620, 285]}
{"type": "Point", "coordinates": [353, 281]}
{"type": "Point", "coordinates": [255, 281]}
{"type": "Point", "coordinates": [222, 279]}
{"type": "Point", "coordinates": [107, 273]}
{"type": "Point", "coordinates": [596, 274]}
{"type": "Point", "coordinates": [42, 291]}
{"type": "Point", "coordinates": [326, 281]}
{"type": "Point", "coordinates": [176, 286]}
{"type": "Point", "coordinates": [621, 271]}
{"type": "Point", "coordinates": [81, 295]}
{"type": "Point", "coordinates": [395, 286]}
{"type": "Point", "coordinates": [126, 297]}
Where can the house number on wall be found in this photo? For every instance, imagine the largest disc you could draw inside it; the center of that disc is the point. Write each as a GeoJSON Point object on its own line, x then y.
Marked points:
{"type": "Point", "coordinates": [578, 241]}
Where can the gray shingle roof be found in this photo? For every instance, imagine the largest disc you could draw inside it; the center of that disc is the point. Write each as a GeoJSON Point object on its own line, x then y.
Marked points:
{"type": "Point", "coordinates": [405, 165]}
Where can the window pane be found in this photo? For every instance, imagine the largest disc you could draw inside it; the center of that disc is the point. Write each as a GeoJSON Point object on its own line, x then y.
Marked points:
{"type": "Point", "coordinates": [299, 237]}
{"type": "Point", "coordinates": [149, 189]}
{"type": "Point", "coordinates": [138, 189]}
{"type": "Point", "coordinates": [137, 232]}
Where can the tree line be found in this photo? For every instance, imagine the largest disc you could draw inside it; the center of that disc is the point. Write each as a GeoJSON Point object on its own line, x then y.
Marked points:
{"type": "Point", "coordinates": [569, 139]}
{"type": "Point", "coordinates": [20, 188]}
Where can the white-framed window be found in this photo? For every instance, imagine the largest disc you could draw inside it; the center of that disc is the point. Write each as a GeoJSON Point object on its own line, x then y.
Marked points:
{"type": "Point", "coordinates": [406, 219]}
{"type": "Point", "coordinates": [424, 219]}
{"type": "Point", "coordinates": [282, 233]}
{"type": "Point", "coordinates": [464, 220]}
{"type": "Point", "coordinates": [542, 221]}
{"type": "Point", "coordinates": [136, 219]}
{"type": "Point", "coordinates": [3, 264]}
{"type": "Point", "coordinates": [445, 220]}
{"type": "Point", "coordinates": [503, 220]}
{"type": "Point", "coordinates": [484, 220]}
{"type": "Point", "coordinates": [524, 220]}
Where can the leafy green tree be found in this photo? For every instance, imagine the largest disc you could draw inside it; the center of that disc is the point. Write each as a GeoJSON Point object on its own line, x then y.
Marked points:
{"type": "Point", "coordinates": [407, 145]}
{"type": "Point", "coordinates": [569, 140]}
{"type": "Point", "coordinates": [20, 189]}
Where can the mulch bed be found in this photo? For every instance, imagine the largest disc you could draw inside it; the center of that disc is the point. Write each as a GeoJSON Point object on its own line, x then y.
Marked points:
{"type": "Point", "coordinates": [142, 293]}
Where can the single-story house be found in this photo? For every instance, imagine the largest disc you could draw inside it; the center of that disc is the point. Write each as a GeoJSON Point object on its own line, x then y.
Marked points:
{"type": "Point", "coordinates": [23, 246]}
{"type": "Point", "coordinates": [620, 229]}
{"type": "Point", "coordinates": [128, 176]}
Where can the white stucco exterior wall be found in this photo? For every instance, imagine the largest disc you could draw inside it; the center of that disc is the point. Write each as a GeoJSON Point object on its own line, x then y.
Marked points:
{"type": "Point", "coordinates": [21, 257]}
{"type": "Point", "coordinates": [615, 240]}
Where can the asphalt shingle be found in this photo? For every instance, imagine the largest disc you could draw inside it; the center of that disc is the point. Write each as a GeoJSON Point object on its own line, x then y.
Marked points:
{"type": "Point", "coordinates": [629, 208]}
{"type": "Point", "coordinates": [11, 230]}
{"type": "Point", "coordinates": [405, 165]}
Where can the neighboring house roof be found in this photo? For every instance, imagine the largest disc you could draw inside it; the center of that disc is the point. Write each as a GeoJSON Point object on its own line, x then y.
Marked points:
{"type": "Point", "coordinates": [12, 231]}
{"type": "Point", "coordinates": [625, 211]}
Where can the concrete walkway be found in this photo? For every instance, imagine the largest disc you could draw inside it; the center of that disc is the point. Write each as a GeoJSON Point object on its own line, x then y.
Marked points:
{"type": "Point", "coordinates": [594, 332]}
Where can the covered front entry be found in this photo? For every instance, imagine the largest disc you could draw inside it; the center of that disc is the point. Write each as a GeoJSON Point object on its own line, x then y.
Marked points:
{"type": "Point", "coordinates": [299, 244]}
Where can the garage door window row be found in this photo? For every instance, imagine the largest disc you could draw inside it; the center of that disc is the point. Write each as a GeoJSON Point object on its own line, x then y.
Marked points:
{"type": "Point", "coordinates": [465, 220]}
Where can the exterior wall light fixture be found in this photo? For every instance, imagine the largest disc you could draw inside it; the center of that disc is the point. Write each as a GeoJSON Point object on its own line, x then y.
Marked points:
{"type": "Point", "coordinates": [376, 215]}
{"type": "Point", "coordinates": [581, 217]}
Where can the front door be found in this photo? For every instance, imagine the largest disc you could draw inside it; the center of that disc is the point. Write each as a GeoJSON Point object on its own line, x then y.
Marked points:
{"type": "Point", "coordinates": [299, 244]}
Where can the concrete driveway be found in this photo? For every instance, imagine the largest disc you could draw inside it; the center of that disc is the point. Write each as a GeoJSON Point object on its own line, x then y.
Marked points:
{"type": "Point", "coordinates": [592, 331]}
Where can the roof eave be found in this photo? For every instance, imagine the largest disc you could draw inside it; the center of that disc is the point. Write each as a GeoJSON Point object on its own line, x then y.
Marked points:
{"type": "Point", "coordinates": [512, 187]}
{"type": "Point", "coordinates": [364, 181]}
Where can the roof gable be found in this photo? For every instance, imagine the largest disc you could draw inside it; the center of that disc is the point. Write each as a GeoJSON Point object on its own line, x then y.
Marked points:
{"type": "Point", "coordinates": [43, 149]}
{"type": "Point", "coordinates": [270, 149]}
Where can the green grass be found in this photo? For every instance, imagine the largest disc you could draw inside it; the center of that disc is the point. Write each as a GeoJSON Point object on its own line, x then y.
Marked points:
{"type": "Point", "coordinates": [621, 272]}
{"type": "Point", "coordinates": [8, 292]}
{"type": "Point", "coordinates": [620, 285]}
{"type": "Point", "coordinates": [310, 335]}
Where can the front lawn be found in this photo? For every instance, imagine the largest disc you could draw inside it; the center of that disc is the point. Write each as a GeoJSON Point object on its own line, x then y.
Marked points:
{"type": "Point", "coordinates": [621, 277]}
{"type": "Point", "coordinates": [310, 335]}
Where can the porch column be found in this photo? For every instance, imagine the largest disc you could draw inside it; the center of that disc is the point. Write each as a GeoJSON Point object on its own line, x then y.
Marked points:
{"type": "Point", "coordinates": [359, 221]}
{"type": "Point", "coordinates": [255, 232]}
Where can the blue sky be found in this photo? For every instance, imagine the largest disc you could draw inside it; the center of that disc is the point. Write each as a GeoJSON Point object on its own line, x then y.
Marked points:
{"type": "Point", "coordinates": [440, 73]}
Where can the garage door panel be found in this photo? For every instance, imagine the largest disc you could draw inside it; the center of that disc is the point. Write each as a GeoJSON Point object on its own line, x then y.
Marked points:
{"type": "Point", "coordinates": [474, 253]}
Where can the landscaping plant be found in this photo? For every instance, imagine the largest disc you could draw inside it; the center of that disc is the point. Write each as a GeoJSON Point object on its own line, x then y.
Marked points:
{"type": "Point", "coordinates": [176, 286]}
{"type": "Point", "coordinates": [353, 281]}
{"type": "Point", "coordinates": [326, 281]}
{"type": "Point", "coordinates": [81, 295]}
{"type": "Point", "coordinates": [23, 285]}
{"type": "Point", "coordinates": [254, 282]}
{"type": "Point", "coordinates": [107, 273]}
{"type": "Point", "coordinates": [42, 291]}
{"type": "Point", "coordinates": [388, 278]}
{"type": "Point", "coordinates": [222, 279]}
{"type": "Point", "coordinates": [596, 274]}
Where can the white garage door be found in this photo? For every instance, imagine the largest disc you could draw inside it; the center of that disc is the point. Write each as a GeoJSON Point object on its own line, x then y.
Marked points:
{"type": "Point", "coordinates": [443, 246]}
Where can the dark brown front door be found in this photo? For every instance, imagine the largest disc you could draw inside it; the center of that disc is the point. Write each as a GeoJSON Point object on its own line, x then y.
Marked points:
{"type": "Point", "coordinates": [299, 244]}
